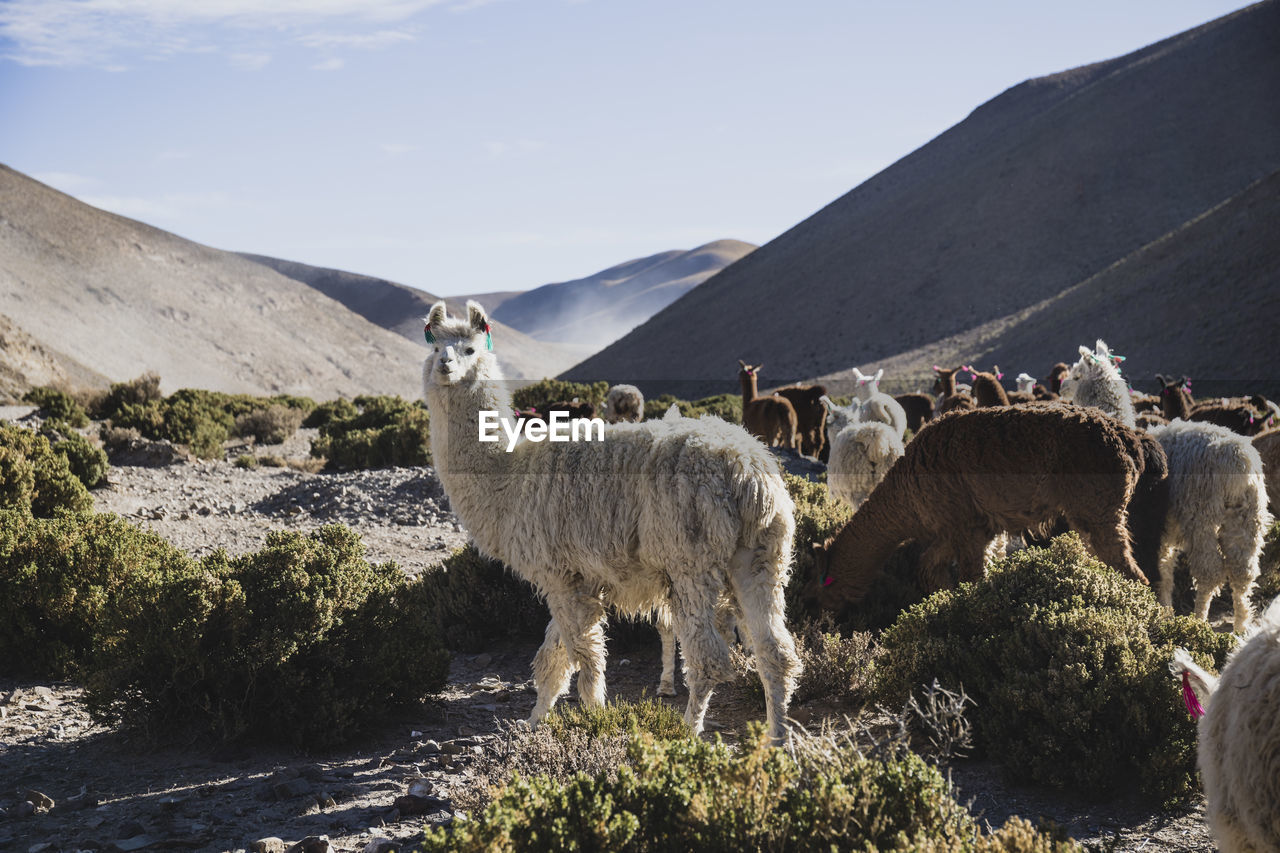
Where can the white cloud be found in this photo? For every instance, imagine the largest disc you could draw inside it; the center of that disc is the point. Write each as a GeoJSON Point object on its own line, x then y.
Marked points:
{"type": "Point", "coordinates": [335, 63]}
{"type": "Point", "coordinates": [103, 32]}
{"type": "Point", "coordinates": [366, 41]}
{"type": "Point", "coordinates": [249, 61]}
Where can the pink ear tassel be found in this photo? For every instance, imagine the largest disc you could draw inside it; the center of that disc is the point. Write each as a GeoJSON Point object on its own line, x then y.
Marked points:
{"type": "Point", "coordinates": [939, 369]}
{"type": "Point", "coordinates": [1189, 697]}
{"type": "Point", "coordinates": [999, 374]}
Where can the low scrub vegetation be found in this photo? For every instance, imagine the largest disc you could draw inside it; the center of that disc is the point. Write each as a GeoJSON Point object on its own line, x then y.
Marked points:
{"type": "Point", "coordinates": [56, 405]}
{"type": "Point", "coordinates": [727, 407]}
{"type": "Point", "coordinates": [35, 478]}
{"type": "Point", "coordinates": [474, 599]}
{"type": "Point", "coordinates": [691, 794]}
{"type": "Point", "coordinates": [385, 431]}
{"type": "Point", "coordinates": [1068, 663]}
{"type": "Point", "coordinates": [87, 461]}
{"type": "Point", "coordinates": [547, 391]}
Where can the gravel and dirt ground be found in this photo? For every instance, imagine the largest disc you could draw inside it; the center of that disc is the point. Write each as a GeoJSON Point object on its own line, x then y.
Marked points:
{"type": "Point", "coordinates": [102, 789]}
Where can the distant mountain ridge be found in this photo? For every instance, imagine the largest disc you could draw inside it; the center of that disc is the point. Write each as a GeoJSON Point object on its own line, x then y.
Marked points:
{"type": "Point", "coordinates": [95, 297]}
{"type": "Point", "coordinates": [1038, 190]}
{"type": "Point", "coordinates": [596, 310]}
{"type": "Point", "coordinates": [401, 309]}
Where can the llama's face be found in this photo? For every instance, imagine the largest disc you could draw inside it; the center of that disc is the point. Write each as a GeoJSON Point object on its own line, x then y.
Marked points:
{"type": "Point", "coordinates": [1090, 368]}
{"type": "Point", "coordinates": [458, 347]}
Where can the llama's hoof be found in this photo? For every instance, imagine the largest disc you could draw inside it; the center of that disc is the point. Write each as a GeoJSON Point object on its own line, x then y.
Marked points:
{"type": "Point", "coordinates": [666, 690]}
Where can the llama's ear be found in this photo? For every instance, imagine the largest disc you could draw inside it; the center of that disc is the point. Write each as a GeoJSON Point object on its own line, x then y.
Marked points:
{"type": "Point", "coordinates": [743, 364]}
{"type": "Point", "coordinates": [1100, 347]}
{"type": "Point", "coordinates": [826, 402]}
{"type": "Point", "coordinates": [879, 374]}
{"type": "Point", "coordinates": [1160, 378]}
{"type": "Point", "coordinates": [476, 317]}
{"type": "Point", "coordinates": [435, 317]}
{"type": "Point", "coordinates": [1084, 350]}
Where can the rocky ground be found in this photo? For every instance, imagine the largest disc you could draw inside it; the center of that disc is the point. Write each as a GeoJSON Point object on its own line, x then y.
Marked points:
{"type": "Point", "coordinates": [68, 784]}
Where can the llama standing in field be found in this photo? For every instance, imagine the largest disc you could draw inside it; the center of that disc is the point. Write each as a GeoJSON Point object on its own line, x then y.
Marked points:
{"type": "Point", "coordinates": [1095, 381]}
{"type": "Point", "coordinates": [919, 409]}
{"type": "Point", "coordinates": [1268, 447]}
{"type": "Point", "coordinates": [1217, 513]}
{"type": "Point", "coordinates": [877, 405]}
{"type": "Point", "coordinates": [987, 390]}
{"type": "Point", "coordinates": [950, 397]}
{"type": "Point", "coordinates": [970, 476]}
{"type": "Point", "coordinates": [811, 417]}
{"type": "Point", "coordinates": [772, 419]}
{"type": "Point", "coordinates": [691, 513]}
{"type": "Point", "coordinates": [861, 453]}
{"type": "Point", "coordinates": [624, 403]}
{"type": "Point", "coordinates": [1057, 373]}
{"type": "Point", "coordinates": [1238, 748]}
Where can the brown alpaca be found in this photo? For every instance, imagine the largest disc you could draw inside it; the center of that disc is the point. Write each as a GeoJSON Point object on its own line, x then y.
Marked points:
{"type": "Point", "coordinates": [987, 390]}
{"type": "Point", "coordinates": [1268, 444]}
{"type": "Point", "coordinates": [1057, 373]}
{"type": "Point", "coordinates": [944, 385]}
{"type": "Point", "coordinates": [1245, 416]}
{"type": "Point", "coordinates": [811, 416]}
{"type": "Point", "coordinates": [919, 409]}
{"type": "Point", "coordinates": [1147, 403]}
{"type": "Point", "coordinates": [771, 419]}
{"type": "Point", "coordinates": [969, 476]}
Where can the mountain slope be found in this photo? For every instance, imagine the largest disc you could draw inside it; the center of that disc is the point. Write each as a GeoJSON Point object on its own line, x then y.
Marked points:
{"type": "Point", "coordinates": [401, 309]}
{"type": "Point", "coordinates": [598, 309]}
{"type": "Point", "coordinates": [123, 298]}
{"type": "Point", "coordinates": [1037, 190]}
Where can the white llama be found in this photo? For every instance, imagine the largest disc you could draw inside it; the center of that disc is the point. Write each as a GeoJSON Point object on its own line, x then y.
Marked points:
{"type": "Point", "coordinates": [1095, 380]}
{"type": "Point", "coordinates": [691, 513]}
{"type": "Point", "coordinates": [877, 405]}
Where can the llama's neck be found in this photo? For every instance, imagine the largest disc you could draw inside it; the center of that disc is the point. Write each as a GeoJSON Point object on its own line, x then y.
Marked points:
{"type": "Point", "coordinates": [474, 474]}
{"type": "Point", "coordinates": [947, 381]}
{"type": "Point", "coordinates": [748, 382]}
{"type": "Point", "coordinates": [1175, 403]}
{"type": "Point", "coordinates": [866, 543]}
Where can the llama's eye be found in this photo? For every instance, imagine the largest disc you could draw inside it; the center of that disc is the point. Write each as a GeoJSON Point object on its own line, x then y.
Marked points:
{"type": "Point", "coordinates": [471, 350]}
{"type": "Point", "coordinates": [437, 349]}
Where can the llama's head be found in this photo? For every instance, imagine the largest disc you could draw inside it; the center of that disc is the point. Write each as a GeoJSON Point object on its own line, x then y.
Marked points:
{"type": "Point", "coordinates": [839, 417]}
{"type": "Point", "coordinates": [749, 371]}
{"type": "Point", "coordinates": [1056, 374]}
{"type": "Point", "coordinates": [1095, 367]}
{"type": "Point", "coordinates": [945, 379]}
{"type": "Point", "coordinates": [1026, 383]}
{"type": "Point", "coordinates": [461, 349]}
{"type": "Point", "coordinates": [866, 385]}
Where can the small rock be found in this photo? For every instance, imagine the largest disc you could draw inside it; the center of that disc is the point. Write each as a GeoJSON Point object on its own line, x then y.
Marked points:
{"type": "Point", "coordinates": [467, 731]}
{"type": "Point", "coordinates": [312, 844]}
{"type": "Point", "coordinates": [291, 789]}
{"type": "Point", "coordinates": [42, 847]}
{"type": "Point", "coordinates": [430, 747]}
{"type": "Point", "coordinates": [130, 828]}
{"type": "Point", "coordinates": [380, 845]}
{"type": "Point", "coordinates": [450, 748]}
{"type": "Point", "coordinates": [271, 844]}
{"type": "Point", "coordinates": [26, 808]}
{"type": "Point", "coordinates": [421, 788]}
{"type": "Point", "coordinates": [42, 802]}
{"type": "Point", "coordinates": [325, 801]}
{"type": "Point", "coordinates": [482, 660]}
{"type": "Point", "coordinates": [411, 805]}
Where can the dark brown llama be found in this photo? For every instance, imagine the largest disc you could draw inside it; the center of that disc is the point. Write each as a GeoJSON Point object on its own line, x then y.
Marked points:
{"type": "Point", "coordinates": [919, 409]}
{"type": "Point", "coordinates": [771, 419]}
{"type": "Point", "coordinates": [987, 390]}
{"type": "Point", "coordinates": [969, 476]}
{"type": "Point", "coordinates": [811, 416]}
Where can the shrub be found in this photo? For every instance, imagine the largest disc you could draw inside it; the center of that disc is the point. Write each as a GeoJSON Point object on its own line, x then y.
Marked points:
{"type": "Point", "coordinates": [1067, 662]}
{"type": "Point", "coordinates": [87, 461]}
{"type": "Point", "coordinates": [136, 392]}
{"type": "Point", "coordinates": [1268, 585]}
{"type": "Point", "coordinates": [689, 794]}
{"type": "Point", "coordinates": [555, 390]}
{"type": "Point", "coordinates": [57, 405]}
{"type": "Point", "coordinates": [35, 478]}
{"type": "Point", "coordinates": [332, 410]}
{"type": "Point", "coordinates": [60, 578]}
{"type": "Point", "coordinates": [475, 600]}
{"type": "Point", "coordinates": [724, 406]}
{"type": "Point", "coordinates": [247, 461]}
{"type": "Point", "coordinates": [387, 431]}
{"type": "Point", "coordinates": [271, 425]}
{"type": "Point", "coordinates": [618, 718]}
{"type": "Point", "coordinates": [302, 642]}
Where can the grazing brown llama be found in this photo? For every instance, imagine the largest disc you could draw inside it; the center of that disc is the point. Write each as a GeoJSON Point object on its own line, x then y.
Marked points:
{"type": "Point", "coordinates": [771, 419]}
{"type": "Point", "coordinates": [970, 476]}
{"type": "Point", "coordinates": [1246, 416]}
{"type": "Point", "coordinates": [987, 390]}
{"type": "Point", "coordinates": [811, 416]}
{"type": "Point", "coordinates": [919, 409]}
{"type": "Point", "coordinates": [1268, 445]}
{"type": "Point", "coordinates": [950, 398]}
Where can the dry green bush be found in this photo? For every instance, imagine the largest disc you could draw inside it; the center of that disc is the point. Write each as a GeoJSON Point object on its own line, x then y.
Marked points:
{"type": "Point", "coordinates": [475, 600]}
{"type": "Point", "coordinates": [303, 642]}
{"type": "Point", "coordinates": [273, 424]}
{"type": "Point", "coordinates": [35, 478]}
{"type": "Point", "coordinates": [727, 407]}
{"type": "Point", "coordinates": [86, 460]}
{"type": "Point", "coordinates": [57, 405]}
{"type": "Point", "coordinates": [1068, 663]}
{"type": "Point", "coordinates": [546, 391]}
{"type": "Point", "coordinates": [387, 431]}
{"type": "Point", "coordinates": [691, 794]}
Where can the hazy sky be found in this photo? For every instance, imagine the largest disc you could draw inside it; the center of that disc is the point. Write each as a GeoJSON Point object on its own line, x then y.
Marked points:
{"type": "Point", "coordinates": [472, 145]}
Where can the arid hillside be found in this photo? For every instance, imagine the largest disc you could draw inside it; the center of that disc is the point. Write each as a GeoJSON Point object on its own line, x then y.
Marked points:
{"type": "Point", "coordinates": [1077, 188]}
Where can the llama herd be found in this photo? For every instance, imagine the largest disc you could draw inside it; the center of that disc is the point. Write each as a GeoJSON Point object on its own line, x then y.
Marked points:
{"type": "Point", "coordinates": [688, 520]}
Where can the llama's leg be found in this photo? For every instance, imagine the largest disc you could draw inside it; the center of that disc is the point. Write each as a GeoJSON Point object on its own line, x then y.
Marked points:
{"type": "Point", "coordinates": [935, 566]}
{"type": "Point", "coordinates": [662, 620]}
{"type": "Point", "coordinates": [582, 632]}
{"type": "Point", "coordinates": [706, 655]}
{"type": "Point", "coordinates": [756, 577]}
{"type": "Point", "coordinates": [1108, 538]}
{"type": "Point", "coordinates": [1207, 569]}
{"type": "Point", "coordinates": [1241, 545]}
{"type": "Point", "coordinates": [1168, 563]}
{"type": "Point", "coordinates": [551, 672]}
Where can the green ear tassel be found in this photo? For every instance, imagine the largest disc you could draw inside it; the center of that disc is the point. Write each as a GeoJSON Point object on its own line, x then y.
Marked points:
{"type": "Point", "coordinates": [488, 340]}
{"type": "Point", "coordinates": [426, 333]}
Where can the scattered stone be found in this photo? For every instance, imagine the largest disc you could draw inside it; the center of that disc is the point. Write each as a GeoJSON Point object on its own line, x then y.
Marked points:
{"type": "Point", "coordinates": [421, 788]}
{"type": "Point", "coordinates": [130, 828]}
{"type": "Point", "coordinates": [42, 802]}
{"type": "Point", "coordinates": [271, 844]}
{"type": "Point", "coordinates": [450, 747]}
{"type": "Point", "coordinates": [312, 844]}
{"type": "Point", "coordinates": [26, 808]}
{"type": "Point", "coordinates": [380, 845]}
{"type": "Point", "coordinates": [409, 804]}
{"type": "Point", "coordinates": [430, 747]}
{"type": "Point", "coordinates": [482, 660]}
{"type": "Point", "coordinates": [290, 789]}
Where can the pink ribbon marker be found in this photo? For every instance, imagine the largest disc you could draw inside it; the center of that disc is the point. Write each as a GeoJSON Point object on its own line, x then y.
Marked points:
{"type": "Point", "coordinates": [1189, 697]}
